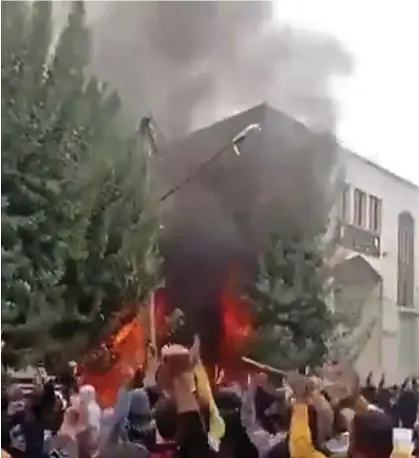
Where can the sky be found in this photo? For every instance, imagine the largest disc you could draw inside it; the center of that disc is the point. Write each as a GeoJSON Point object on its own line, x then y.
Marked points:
{"type": "Point", "coordinates": [378, 104]}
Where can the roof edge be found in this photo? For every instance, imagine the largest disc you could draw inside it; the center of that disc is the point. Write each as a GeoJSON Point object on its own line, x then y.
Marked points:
{"type": "Point", "coordinates": [383, 169]}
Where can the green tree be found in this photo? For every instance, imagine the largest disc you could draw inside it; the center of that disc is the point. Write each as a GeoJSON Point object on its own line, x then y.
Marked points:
{"type": "Point", "coordinates": [357, 306]}
{"type": "Point", "coordinates": [293, 320]}
{"type": "Point", "coordinates": [36, 146]}
{"type": "Point", "coordinates": [78, 228]}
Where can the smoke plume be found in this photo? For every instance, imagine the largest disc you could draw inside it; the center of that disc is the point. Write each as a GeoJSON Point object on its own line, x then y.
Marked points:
{"type": "Point", "coordinates": [189, 64]}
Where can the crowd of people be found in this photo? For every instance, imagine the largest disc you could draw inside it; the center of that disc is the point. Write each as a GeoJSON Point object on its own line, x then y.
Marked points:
{"type": "Point", "coordinates": [171, 410]}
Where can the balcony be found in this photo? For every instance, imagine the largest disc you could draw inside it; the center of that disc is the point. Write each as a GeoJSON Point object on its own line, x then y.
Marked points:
{"type": "Point", "coordinates": [359, 240]}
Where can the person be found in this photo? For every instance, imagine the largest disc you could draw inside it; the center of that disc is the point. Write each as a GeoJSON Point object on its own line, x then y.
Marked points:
{"type": "Point", "coordinates": [415, 439]}
{"type": "Point", "coordinates": [13, 435]}
{"type": "Point", "coordinates": [115, 423]}
{"type": "Point", "coordinates": [407, 405]}
{"type": "Point", "coordinates": [177, 377]}
{"type": "Point", "coordinates": [165, 416]}
{"type": "Point", "coordinates": [47, 406]}
{"type": "Point", "coordinates": [236, 442]}
{"type": "Point", "coordinates": [324, 411]}
{"type": "Point", "coordinates": [262, 439]}
{"type": "Point", "coordinates": [23, 433]}
{"type": "Point", "coordinates": [371, 435]}
{"type": "Point", "coordinates": [138, 427]}
{"type": "Point", "coordinates": [123, 450]}
{"type": "Point", "coordinates": [74, 438]}
{"type": "Point", "coordinates": [88, 397]}
{"type": "Point", "coordinates": [105, 428]}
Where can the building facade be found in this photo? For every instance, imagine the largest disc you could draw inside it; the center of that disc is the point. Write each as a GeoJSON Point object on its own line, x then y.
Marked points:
{"type": "Point", "coordinates": [379, 225]}
{"type": "Point", "coordinates": [378, 216]}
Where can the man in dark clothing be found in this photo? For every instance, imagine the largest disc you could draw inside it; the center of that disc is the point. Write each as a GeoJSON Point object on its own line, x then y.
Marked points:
{"type": "Point", "coordinates": [371, 435]}
{"type": "Point", "coordinates": [25, 435]}
{"type": "Point", "coordinates": [407, 407]}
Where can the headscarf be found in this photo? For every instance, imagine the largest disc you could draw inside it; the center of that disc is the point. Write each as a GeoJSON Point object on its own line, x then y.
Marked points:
{"type": "Point", "coordinates": [139, 428]}
{"type": "Point", "coordinates": [94, 413]}
{"type": "Point", "coordinates": [139, 413]}
{"type": "Point", "coordinates": [106, 425]}
{"type": "Point", "coordinates": [16, 400]}
{"type": "Point", "coordinates": [114, 423]}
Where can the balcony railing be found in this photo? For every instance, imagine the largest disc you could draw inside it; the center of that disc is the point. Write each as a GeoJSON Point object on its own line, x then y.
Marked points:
{"type": "Point", "coordinates": [360, 240]}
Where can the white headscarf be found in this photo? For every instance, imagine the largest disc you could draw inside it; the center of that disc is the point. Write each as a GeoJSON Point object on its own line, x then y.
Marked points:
{"type": "Point", "coordinates": [88, 397]}
{"type": "Point", "coordinates": [106, 424]}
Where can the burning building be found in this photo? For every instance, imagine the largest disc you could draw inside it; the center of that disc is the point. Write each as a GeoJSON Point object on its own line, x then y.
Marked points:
{"type": "Point", "coordinates": [275, 180]}
{"type": "Point", "coordinates": [218, 223]}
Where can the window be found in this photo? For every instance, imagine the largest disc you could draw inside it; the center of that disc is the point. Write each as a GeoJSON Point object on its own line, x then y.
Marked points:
{"type": "Point", "coordinates": [374, 222]}
{"type": "Point", "coordinates": [360, 208]}
{"type": "Point", "coordinates": [406, 266]}
{"type": "Point", "coordinates": [345, 202]}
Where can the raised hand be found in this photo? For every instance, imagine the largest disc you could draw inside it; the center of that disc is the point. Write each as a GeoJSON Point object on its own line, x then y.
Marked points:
{"type": "Point", "coordinates": [340, 381]}
{"type": "Point", "coordinates": [301, 385]}
{"type": "Point", "coordinates": [176, 359]}
{"type": "Point", "coordinates": [195, 350]}
{"type": "Point", "coordinates": [258, 380]}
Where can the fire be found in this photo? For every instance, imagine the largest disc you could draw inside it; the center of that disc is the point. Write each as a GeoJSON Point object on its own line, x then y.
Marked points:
{"type": "Point", "coordinates": [237, 325]}
{"type": "Point", "coordinates": [128, 345]}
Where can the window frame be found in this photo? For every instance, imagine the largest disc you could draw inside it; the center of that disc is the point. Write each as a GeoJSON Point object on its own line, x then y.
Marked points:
{"type": "Point", "coordinates": [405, 260]}
{"type": "Point", "coordinates": [375, 211]}
{"type": "Point", "coordinates": [360, 210]}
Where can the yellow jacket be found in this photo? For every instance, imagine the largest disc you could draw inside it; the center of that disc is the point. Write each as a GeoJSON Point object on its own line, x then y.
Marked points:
{"type": "Point", "coordinates": [300, 439]}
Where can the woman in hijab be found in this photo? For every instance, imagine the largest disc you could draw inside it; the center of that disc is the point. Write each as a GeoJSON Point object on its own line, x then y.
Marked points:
{"type": "Point", "coordinates": [94, 413]}
{"type": "Point", "coordinates": [88, 398]}
{"type": "Point", "coordinates": [139, 427]}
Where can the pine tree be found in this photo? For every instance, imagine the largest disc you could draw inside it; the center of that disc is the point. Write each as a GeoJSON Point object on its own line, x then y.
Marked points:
{"type": "Point", "coordinates": [78, 230]}
{"type": "Point", "coordinates": [118, 259]}
{"type": "Point", "coordinates": [33, 166]}
{"type": "Point", "coordinates": [293, 319]}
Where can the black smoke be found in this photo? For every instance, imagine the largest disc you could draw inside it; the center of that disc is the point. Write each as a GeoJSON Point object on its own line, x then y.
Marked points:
{"type": "Point", "coordinates": [188, 64]}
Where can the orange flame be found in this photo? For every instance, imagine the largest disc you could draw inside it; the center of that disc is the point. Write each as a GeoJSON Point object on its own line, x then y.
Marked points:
{"type": "Point", "coordinates": [237, 323]}
{"type": "Point", "coordinates": [129, 343]}
{"type": "Point", "coordinates": [129, 347]}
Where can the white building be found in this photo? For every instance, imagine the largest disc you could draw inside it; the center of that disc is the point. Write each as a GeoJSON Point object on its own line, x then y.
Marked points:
{"type": "Point", "coordinates": [380, 229]}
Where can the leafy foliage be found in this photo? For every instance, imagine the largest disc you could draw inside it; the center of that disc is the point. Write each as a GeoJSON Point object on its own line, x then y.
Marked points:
{"type": "Point", "coordinates": [79, 234]}
{"type": "Point", "coordinates": [290, 298]}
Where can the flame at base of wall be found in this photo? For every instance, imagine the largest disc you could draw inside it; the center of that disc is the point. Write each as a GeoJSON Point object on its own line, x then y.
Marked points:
{"type": "Point", "coordinates": [129, 345]}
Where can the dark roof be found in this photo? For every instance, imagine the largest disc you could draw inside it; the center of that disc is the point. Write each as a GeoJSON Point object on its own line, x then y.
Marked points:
{"type": "Point", "coordinates": [216, 136]}
{"type": "Point", "coordinates": [223, 131]}
{"type": "Point", "coordinates": [201, 144]}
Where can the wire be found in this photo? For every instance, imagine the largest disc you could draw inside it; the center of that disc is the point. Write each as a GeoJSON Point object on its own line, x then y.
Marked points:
{"type": "Point", "coordinates": [197, 170]}
{"type": "Point", "coordinates": [239, 138]}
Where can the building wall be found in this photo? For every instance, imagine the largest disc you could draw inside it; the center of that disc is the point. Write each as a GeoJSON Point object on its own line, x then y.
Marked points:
{"type": "Point", "coordinates": [396, 196]}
